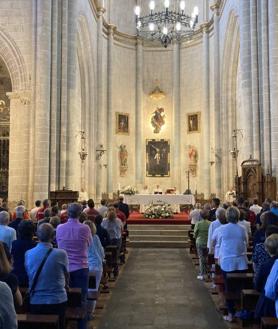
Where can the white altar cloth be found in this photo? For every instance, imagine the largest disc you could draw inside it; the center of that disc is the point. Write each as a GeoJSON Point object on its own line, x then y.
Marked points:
{"type": "Point", "coordinates": [144, 199]}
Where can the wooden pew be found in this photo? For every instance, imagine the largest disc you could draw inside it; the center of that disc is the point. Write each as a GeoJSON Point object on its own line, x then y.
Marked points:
{"type": "Point", "coordinates": [35, 321]}
{"type": "Point", "coordinates": [249, 299]}
{"type": "Point", "coordinates": [269, 323]}
{"type": "Point", "coordinates": [75, 311]}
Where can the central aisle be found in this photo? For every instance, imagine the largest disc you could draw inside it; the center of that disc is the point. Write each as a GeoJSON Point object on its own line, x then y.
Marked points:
{"type": "Point", "coordinates": [158, 290]}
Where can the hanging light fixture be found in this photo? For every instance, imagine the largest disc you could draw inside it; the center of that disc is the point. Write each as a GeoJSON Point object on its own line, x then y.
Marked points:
{"type": "Point", "coordinates": [166, 25]}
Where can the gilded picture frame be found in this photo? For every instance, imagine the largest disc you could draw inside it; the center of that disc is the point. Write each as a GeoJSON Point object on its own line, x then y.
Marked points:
{"type": "Point", "coordinates": [194, 122]}
{"type": "Point", "coordinates": [122, 123]}
{"type": "Point", "coordinates": [157, 158]}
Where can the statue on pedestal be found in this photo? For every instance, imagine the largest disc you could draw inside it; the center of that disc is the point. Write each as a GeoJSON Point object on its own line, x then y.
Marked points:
{"type": "Point", "coordinates": [193, 160]}
{"type": "Point", "coordinates": [158, 119]}
{"type": "Point", "coordinates": [123, 154]}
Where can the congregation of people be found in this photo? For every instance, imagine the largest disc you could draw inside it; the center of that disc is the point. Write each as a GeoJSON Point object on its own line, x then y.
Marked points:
{"type": "Point", "coordinates": [48, 250]}
{"type": "Point", "coordinates": [223, 233]}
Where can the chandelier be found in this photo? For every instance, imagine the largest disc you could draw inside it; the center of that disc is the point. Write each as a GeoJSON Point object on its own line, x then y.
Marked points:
{"type": "Point", "coordinates": [166, 25]}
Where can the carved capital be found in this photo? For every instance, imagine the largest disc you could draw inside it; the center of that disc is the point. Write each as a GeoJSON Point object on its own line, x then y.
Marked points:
{"type": "Point", "coordinates": [23, 95]}
{"type": "Point", "coordinates": [205, 27]}
{"type": "Point", "coordinates": [111, 29]}
{"type": "Point", "coordinates": [215, 7]}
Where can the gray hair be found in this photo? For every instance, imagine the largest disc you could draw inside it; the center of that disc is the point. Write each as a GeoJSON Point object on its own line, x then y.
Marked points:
{"type": "Point", "coordinates": [74, 210]}
{"type": "Point", "coordinates": [4, 218]}
{"type": "Point", "coordinates": [19, 212]}
{"type": "Point", "coordinates": [45, 232]}
{"type": "Point", "coordinates": [220, 212]}
{"type": "Point", "coordinates": [271, 244]}
{"type": "Point", "coordinates": [232, 214]}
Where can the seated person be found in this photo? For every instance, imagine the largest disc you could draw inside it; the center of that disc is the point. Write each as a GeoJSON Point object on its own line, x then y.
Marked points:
{"type": "Point", "coordinates": [19, 247]}
{"type": "Point", "coordinates": [157, 190]}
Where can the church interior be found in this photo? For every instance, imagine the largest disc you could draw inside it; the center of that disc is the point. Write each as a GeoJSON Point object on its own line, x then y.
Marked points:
{"type": "Point", "coordinates": [150, 123]}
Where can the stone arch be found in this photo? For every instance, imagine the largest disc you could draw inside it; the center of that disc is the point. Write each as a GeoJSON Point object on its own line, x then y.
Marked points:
{"type": "Point", "coordinates": [229, 74]}
{"type": "Point", "coordinates": [14, 61]}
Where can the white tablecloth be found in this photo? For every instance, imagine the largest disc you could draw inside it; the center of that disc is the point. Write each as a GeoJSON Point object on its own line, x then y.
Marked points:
{"type": "Point", "coordinates": [144, 199]}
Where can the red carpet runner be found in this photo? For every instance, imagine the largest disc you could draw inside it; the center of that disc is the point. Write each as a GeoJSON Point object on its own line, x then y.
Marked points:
{"type": "Point", "coordinates": [137, 218]}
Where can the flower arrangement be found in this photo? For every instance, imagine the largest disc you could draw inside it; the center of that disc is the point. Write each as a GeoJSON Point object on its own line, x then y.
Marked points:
{"type": "Point", "coordinates": [128, 190]}
{"type": "Point", "coordinates": [156, 212]}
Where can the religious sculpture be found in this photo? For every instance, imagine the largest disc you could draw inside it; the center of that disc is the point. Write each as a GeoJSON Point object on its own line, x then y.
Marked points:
{"type": "Point", "coordinates": [123, 154]}
{"type": "Point", "coordinates": [158, 119]}
{"type": "Point", "coordinates": [193, 160]}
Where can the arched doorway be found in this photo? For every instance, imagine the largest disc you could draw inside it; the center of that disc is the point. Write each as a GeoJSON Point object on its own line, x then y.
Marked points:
{"type": "Point", "coordinates": [5, 87]}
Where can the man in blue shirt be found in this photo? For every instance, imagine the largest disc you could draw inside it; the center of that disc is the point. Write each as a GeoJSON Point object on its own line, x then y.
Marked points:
{"type": "Point", "coordinates": [7, 234]}
{"type": "Point", "coordinates": [7, 310]}
{"type": "Point", "coordinates": [49, 296]}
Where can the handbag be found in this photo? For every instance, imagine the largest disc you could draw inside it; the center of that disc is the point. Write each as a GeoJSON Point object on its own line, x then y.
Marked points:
{"type": "Point", "coordinates": [28, 295]}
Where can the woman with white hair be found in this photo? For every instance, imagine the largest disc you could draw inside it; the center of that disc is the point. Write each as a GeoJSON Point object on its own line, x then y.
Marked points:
{"type": "Point", "coordinates": [232, 251]}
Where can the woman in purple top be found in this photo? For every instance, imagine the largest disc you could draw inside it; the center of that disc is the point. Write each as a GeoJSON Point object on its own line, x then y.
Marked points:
{"type": "Point", "coordinates": [75, 238]}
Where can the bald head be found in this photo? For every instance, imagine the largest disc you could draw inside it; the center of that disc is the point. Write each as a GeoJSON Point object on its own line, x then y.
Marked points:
{"type": "Point", "coordinates": [4, 218]}
{"type": "Point", "coordinates": [45, 232]}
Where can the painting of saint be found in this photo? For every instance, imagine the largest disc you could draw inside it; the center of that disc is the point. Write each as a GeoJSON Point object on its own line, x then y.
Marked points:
{"type": "Point", "coordinates": [158, 119]}
{"type": "Point", "coordinates": [158, 158]}
{"type": "Point", "coordinates": [193, 122]}
{"type": "Point", "coordinates": [122, 123]}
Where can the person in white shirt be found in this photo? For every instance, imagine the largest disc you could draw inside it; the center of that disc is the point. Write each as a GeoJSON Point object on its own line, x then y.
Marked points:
{"type": "Point", "coordinates": [33, 212]}
{"type": "Point", "coordinates": [194, 215]}
{"type": "Point", "coordinates": [255, 207]}
{"type": "Point", "coordinates": [220, 219]}
{"type": "Point", "coordinates": [7, 234]}
{"type": "Point", "coordinates": [232, 251]}
{"type": "Point", "coordinates": [230, 196]}
{"type": "Point", "coordinates": [103, 208]}
{"type": "Point", "coordinates": [7, 310]}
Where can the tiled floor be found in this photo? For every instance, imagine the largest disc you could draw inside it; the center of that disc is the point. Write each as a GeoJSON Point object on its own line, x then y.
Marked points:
{"type": "Point", "coordinates": [158, 289]}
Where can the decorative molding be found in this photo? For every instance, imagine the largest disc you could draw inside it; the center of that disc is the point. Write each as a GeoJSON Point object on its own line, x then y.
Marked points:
{"type": "Point", "coordinates": [23, 95]}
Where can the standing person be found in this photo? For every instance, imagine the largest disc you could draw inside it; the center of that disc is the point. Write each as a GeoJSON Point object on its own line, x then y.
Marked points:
{"type": "Point", "coordinates": [194, 215]}
{"type": "Point", "coordinates": [102, 232]}
{"type": "Point", "coordinates": [215, 203]}
{"type": "Point", "coordinates": [201, 236]}
{"type": "Point", "coordinates": [255, 207]}
{"type": "Point", "coordinates": [47, 296]}
{"type": "Point", "coordinates": [271, 286]}
{"type": "Point", "coordinates": [123, 207]}
{"type": "Point", "coordinates": [33, 212]}
{"type": "Point", "coordinates": [102, 210]}
{"type": "Point", "coordinates": [19, 247]}
{"type": "Point", "coordinates": [91, 211]}
{"type": "Point", "coordinates": [64, 214]}
{"type": "Point", "coordinates": [7, 234]}
{"type": "Point", "coordinates": [19, 216]}
{"type": "Point", "coordinates": [75, 238]}
{"type": "Point", "coordinates": [40, 212]}
{"type": "Point", "coordinates": [96, 257]}
{"type": "Point", "coordinates": [232, 252]}
{"type": "Point", "coordinates": [220, 220]}
{"type": "Point", "coordinates": [7, 310]}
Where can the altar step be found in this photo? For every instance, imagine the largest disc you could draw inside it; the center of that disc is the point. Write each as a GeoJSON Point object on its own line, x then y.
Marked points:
{"type": "Point", "coordinates": [158, 236]}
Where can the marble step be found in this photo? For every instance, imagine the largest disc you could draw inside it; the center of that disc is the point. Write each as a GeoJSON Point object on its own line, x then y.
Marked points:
{"type": "Point", "coordinates": [134, 238]}
{"type": "Point", "coordinates": [158, 227]}
{"type": "Point", "coordinates": [158, 244]}
{"type": "Point", "coordinates": [158, 232]}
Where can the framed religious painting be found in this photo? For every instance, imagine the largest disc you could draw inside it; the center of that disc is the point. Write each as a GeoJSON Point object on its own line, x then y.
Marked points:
{"type": "Point", "coordinates": [157, 158]}
{"type": "Point", "coordinates": [194, 122]}
{"type": "Point", "coordinates": [122, 123]}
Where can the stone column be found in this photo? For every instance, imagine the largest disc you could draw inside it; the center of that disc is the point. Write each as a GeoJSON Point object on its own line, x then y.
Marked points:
{"type": "Point", "coordinates": [176, 128]}
{"type": "Point", "coordinates": [19, 146]}
{"type": "Point", "coordinates": [265, 102]}
{"type": "Point", "coordinates": [139, 172]}
{"type": "Point", "coordinates": [42, 112]}
{"type": "Point", "coordinates": [100, 110]}
{"type": "Point", "coordinates": [273, 80]}
{"type": "Point", "coordinates": [246, 83]}
{"type": "Point", "coordinates": [217, 116]}
{"type": "Point", "coordinates": [206, 114]}
{"type": "Point", "coordinates": [255, 79]}
{"type": "Point", "coordinates": [110, 117]}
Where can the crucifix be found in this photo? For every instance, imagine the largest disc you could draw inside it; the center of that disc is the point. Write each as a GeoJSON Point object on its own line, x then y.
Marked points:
{"type": "Point", "coordinates": [188, 182]}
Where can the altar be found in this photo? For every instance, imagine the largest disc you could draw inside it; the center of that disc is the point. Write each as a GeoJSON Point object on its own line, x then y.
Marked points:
{"type": "Point", "coordinates": [159, 199]}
